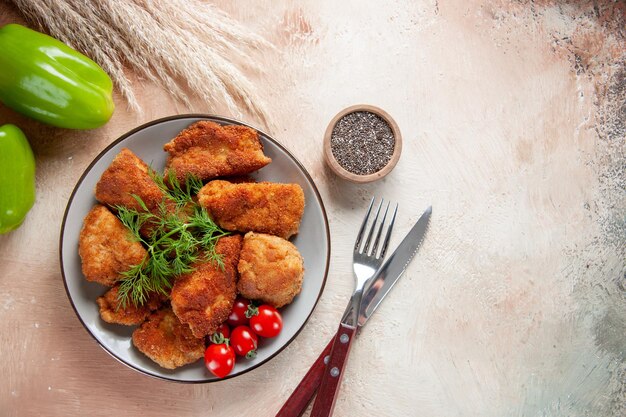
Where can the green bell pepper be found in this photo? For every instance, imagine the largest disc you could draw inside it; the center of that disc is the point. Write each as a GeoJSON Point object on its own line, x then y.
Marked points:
{"type": "Point", "coordinates": [47, 80]}
{"type": "Point", "coordinates": [17, 178]}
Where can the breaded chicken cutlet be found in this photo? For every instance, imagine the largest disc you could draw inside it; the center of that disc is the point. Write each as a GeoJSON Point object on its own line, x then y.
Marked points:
{"type": "Point", "coordinates": [270, 269]}
{"type": "Point", "coordinates": [127, 176]}
{"type": "Point", "coordinates": [204, 297]}
{"type": "Point", "coordinates": [130, 315]}
{"type": "Point", "coordinates": [263, 207]}
{"type": "Point", "coordinates": [208, 150]}
{"type": "Point", "coordinates": [106, 247]}
{"type": "Point", "coordinates": [167, 341]}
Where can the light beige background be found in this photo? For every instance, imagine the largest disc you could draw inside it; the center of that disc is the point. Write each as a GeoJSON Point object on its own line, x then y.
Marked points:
{"type": "Point", "coordinates": [513, 119]}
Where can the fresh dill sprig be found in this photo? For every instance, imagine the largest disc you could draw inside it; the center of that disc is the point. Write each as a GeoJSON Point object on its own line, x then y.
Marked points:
{"type": "Point", "coordinates": [181, 194]}
{"type": "Point", "coordinates": [179, 236]}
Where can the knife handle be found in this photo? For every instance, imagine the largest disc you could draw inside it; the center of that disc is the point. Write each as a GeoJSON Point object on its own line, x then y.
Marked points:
{"type": "Point", "coordinates": [333, 373]}
{"type": "Point", "coordinates": [301, 396]}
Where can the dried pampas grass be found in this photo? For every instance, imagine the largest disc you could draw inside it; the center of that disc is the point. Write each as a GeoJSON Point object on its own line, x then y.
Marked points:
{"type": "Point", "coordinates": [183, 45]}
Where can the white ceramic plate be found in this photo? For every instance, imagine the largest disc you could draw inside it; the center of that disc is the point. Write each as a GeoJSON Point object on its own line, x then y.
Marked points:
{"type": "Point", "coordinates": [313, 242]}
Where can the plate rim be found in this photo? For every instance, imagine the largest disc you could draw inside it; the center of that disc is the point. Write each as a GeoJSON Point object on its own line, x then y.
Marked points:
{"type": "Point", "coordinates": [155, 122]}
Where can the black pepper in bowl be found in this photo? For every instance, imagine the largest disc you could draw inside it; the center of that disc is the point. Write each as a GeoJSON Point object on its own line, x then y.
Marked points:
{"type": "Point", "coordinates": [362, 142]}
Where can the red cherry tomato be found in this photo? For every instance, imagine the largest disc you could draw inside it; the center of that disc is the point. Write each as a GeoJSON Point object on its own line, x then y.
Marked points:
{"type": "Point", "coordinates": [237, 315]}
{"type": "Point", "coordinates": [268, 322]}
{"type": "Point", "coordinates": [219, 359]}
{"type": "Point", "coordinates": [224, 330]}
{"type": "Point", "coordinates": [244, 341]}
{"type": "Point", "coordinates": [220, 335]}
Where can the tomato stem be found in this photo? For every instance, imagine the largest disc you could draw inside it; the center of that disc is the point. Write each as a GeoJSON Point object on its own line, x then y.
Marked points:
{"type": "Point", "coordinates": [252, 310]}
{"type": "Point", "coordinates": [218, 338]}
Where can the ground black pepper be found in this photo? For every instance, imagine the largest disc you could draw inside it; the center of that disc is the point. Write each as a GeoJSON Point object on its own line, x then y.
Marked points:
{"type": "Point", "coordinates": [362, 142]}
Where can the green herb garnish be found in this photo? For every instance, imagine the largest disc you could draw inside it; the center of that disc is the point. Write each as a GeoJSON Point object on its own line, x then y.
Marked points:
{"type": "Point", "coordinates": [179, 232]}
{"type": "Point", "coordinates": [180, 194]}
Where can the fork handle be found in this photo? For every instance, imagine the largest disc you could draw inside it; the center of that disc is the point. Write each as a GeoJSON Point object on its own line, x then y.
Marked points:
{"type": "Point", "coordinates": [331, 380]}
{"type": "Point", "coordinates": [301, 396]}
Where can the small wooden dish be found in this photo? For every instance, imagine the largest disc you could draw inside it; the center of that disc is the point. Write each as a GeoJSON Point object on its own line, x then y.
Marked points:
{"type": "Point", "coordinates": [350, 176]}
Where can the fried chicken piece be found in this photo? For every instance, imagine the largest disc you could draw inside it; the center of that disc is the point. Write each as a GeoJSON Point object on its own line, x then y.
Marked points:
{"type": "Point", "coordinates": [167, 341]}
{"type": "Point", "coordinates": [106, 247]}
{"type": "Point", "coordinates": [270, 269]}
{"type": "Point", "coordinates": [128, 175]}
{"type": "Point", "coordinates": [204, 297]}
{"type": "Point", "coordinates": [263, 207]}
{"type": "Point", "coordinates": [209, 150]}
{"type": "Point", "coordinates": [112, 311]}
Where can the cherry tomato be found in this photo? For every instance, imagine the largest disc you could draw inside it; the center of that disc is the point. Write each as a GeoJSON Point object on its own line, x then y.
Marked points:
{"type": "Point", "coordinates": [224, 330]}
{"type": "Point", "coordinates": [244, 341]}
{"type": "Point", "coordinates": [268, 321]}
{"type": "Point", "coordinates": [221, 335]}
{"type": "Point", "coordinates": [219, 359]}
{"type": "Point", "coordinates": [237, 315]}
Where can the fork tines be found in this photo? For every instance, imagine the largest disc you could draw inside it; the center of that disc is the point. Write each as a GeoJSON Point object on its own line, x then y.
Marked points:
{"type": "Point", "coordinates": [366, 250]}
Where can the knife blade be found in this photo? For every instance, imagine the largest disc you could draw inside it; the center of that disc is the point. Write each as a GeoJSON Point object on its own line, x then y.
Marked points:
{"type": "Point", "coordinates": [393, 268]}
{"type": "Point", "coordinates": [379, 286]}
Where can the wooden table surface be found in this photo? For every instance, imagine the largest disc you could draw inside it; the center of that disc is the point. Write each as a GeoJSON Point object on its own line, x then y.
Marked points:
{"type": "Point", "coordinates": [513, 118]}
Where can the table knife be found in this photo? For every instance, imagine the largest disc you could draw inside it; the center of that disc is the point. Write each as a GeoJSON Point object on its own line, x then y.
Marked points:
{"type": "Point", "coordinates": [380, 285]}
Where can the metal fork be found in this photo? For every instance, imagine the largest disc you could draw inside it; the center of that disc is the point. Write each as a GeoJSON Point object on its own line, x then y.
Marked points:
{"type": "Point", "coordinates": [366, 259]}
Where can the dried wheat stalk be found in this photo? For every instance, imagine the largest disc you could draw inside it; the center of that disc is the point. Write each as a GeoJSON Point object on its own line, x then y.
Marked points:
{"type": "Point", "coordinates": [183, 45]}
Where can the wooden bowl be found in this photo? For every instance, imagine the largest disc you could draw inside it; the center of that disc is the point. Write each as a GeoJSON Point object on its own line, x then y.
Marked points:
{"type": "Point", "coordinates": [350, 176]}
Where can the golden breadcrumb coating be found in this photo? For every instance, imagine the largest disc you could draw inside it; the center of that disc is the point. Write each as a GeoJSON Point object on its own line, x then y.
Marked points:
{"type": "Point", "coordinates": [128, 175]}
{"type": "Point", "coordinates": [270, 269]}
{"type": "Point", "coordinates": [106, 247]}
{"type": "Point", "coordinates": [167, 341]}
{"type": "Point", "coordinates": [204, 298]}
{"type": "Point", "coordinates": [263, 207]}
{"type": "Point", "coordinates": [112, 311]}
{"type": "Point", "coordinates": [209, 150]}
